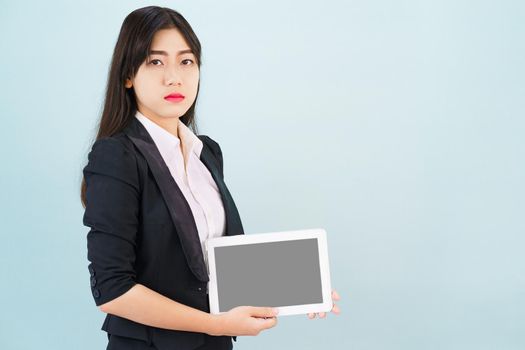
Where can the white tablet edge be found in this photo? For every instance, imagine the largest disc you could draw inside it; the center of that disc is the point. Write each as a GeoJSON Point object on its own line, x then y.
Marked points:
{"type": "Point", "coordinates": [319, 234]}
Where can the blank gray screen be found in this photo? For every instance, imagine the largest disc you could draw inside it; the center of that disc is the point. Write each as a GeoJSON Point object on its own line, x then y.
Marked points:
{"type": "Point", "coordinates": [268, 274]}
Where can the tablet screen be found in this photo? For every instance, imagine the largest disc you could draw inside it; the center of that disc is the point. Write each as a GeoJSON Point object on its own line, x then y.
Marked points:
{"type": "Point", "coordinates": [268, 274]}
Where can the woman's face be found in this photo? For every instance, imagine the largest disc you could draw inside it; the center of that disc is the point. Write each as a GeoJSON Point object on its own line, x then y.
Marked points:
{"type": "Point", "coordinates": [170, 68]}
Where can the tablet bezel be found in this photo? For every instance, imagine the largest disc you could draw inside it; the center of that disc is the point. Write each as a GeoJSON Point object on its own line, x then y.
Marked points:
{"type": "Point", "coordinates": [281, 236]}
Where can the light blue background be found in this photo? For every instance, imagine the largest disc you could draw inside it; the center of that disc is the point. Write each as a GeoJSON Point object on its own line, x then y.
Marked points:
{"type": "Point", "coordinates": [395, 125]}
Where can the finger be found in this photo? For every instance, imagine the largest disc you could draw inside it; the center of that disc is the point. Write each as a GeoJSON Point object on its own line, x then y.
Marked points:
{"type": "Point", "coordinates": [311, 315]}
{"type": "Point", "coordinates": [322, 314]}
{"type": "Point", "coordinates": [263, 312]}
{"type": "Point", "coordinates": [335, 295]}
{"type": "Point", "coordinates": [265, 323]}
{"type": "Point", "coordinates": [336, 309]}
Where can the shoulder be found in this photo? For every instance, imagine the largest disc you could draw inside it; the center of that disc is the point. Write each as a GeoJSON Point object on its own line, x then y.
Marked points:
{"type": "Point", "coordinates": [212, 144]}
{"type": "Point", "coordinates": [113, 156]}
{"type": "Point", "coordinates": [116, 149]}
{"type": "Point", "coordinates": [116, 143]}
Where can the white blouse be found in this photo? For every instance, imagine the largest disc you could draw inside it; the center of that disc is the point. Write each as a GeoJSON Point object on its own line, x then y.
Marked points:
{"type": "Point", "coordinates": [191, 175]}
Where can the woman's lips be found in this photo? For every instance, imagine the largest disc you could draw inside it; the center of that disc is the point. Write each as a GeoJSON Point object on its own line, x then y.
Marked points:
{"type": "Point", "coordinates": [174, 97]}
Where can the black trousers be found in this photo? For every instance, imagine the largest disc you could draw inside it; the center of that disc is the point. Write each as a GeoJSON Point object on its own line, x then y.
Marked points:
{"type": "Point", "coordinates": [124, 343]}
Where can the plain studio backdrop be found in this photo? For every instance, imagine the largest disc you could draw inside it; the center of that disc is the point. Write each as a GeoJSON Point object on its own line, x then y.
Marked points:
{"type": "Point", "coordinates": [395, 125]}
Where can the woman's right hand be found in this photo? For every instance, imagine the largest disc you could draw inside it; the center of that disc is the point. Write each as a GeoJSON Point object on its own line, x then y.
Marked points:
{"type": "Point", "coordinates": [246, 320]}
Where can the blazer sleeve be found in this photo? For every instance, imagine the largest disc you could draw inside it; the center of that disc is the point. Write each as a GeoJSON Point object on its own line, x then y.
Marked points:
{"type": "Point", "coordinates": [112, 213]}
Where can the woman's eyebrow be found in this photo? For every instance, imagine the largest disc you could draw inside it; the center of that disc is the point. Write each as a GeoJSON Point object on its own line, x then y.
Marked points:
{"type": "Point", "coordinates": [164, 53]}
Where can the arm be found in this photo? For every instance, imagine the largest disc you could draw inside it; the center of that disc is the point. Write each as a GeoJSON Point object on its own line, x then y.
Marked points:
{"type": "Point", "coordinates": [143, 305]}
{"type": "Point", "coordinates": [112, 212]}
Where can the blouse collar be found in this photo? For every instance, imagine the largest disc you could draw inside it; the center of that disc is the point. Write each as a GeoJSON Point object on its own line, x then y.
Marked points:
{"type": "Point", "coordinates": [168, 143]}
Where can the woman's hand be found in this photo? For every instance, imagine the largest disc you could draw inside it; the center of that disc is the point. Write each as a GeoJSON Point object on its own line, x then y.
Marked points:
{"type": "Point", "coordinates": [335, 308]}
{"type": "Point", "coordinates": [246, 320]}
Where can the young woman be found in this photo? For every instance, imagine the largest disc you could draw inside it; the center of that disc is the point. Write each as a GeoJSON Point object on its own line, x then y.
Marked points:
{"type": "Point", "coordinates": [153, 192]}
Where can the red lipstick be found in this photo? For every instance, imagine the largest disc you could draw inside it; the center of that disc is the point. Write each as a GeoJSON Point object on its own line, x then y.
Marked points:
{"type": "Point", "coordinates": [174, 97]}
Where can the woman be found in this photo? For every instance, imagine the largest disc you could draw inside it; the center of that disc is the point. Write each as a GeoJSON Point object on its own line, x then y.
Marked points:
{"type": "Point", "coordinates": [153, 192]}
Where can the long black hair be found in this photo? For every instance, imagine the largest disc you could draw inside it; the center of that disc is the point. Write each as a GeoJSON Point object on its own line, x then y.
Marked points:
{"type": "Point", "coordinates": [131, 50]}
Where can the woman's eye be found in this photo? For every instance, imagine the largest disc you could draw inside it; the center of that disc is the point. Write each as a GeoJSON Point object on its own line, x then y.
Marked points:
{"type": "Point", "coordinates": [153, 62]}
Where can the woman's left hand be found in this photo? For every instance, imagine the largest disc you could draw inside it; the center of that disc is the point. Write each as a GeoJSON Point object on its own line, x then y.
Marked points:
{"type": "Point", "coordinates": [335, 308]}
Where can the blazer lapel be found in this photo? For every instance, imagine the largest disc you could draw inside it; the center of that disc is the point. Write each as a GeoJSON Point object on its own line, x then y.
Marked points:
{"type": "Point", "coordinates": [178, 207]}
{"type": "Point", "coordinates": [233, 220]}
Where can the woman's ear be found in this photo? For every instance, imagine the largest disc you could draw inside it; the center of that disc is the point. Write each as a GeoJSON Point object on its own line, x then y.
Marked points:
{"type": "Point", "coordinates": [128, 83]}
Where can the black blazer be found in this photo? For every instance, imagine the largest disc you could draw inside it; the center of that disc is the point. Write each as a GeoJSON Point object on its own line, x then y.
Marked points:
{"type": "Point", "coordinates": [143, 230]}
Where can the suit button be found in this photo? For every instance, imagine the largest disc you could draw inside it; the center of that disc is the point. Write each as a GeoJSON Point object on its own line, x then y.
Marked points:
{"type": "Point", "coordinates": [96, 293]}
{"type": "Point", "coordinates": [200, 288]}
{"type": "Point", "coordinates": [93, 281]}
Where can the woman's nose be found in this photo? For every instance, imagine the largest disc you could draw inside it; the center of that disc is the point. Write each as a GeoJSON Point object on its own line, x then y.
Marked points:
{"type": "Point", "coordinates": [172, 76]}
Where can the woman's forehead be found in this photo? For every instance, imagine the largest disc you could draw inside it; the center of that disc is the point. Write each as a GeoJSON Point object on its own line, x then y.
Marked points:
{"type": "Point", "coordinates": [169, 41]}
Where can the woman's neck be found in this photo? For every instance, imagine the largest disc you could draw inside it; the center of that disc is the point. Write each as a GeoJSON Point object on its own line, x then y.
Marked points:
{"type": "Point", "coordinates": [171, 125]}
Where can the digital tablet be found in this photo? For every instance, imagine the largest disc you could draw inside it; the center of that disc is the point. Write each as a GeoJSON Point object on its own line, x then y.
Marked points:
{"type": "Point", "coordinates": [288, 270]}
